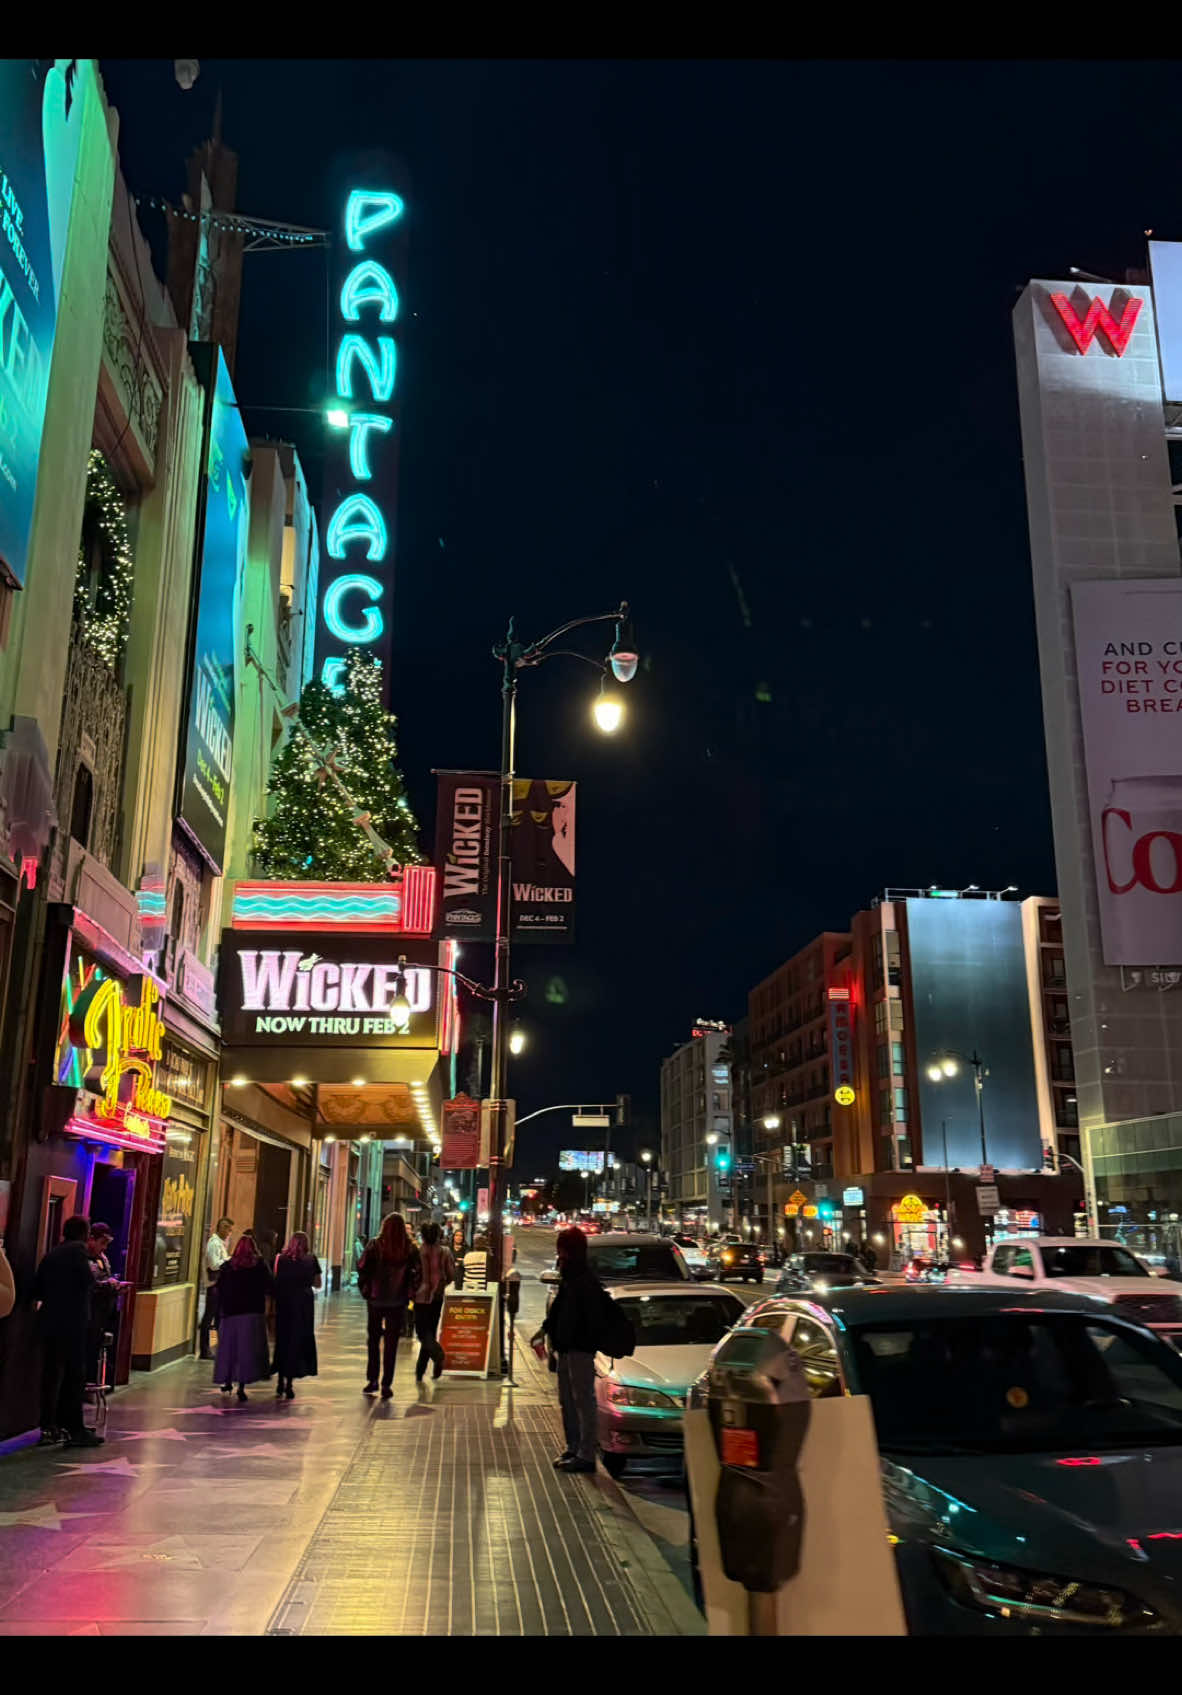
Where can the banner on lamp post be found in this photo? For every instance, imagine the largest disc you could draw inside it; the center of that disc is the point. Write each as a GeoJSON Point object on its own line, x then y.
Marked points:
{"type": "Point", "coordinates": [466, 854]}
{"type": "Point", "coordinates": [461, 1145]}
{"type": "Point", "coordinates": [542, 849]}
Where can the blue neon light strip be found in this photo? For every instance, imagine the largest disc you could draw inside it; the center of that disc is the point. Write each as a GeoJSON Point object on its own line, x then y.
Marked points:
{"type": "Point", "coordinates": [328, 907]}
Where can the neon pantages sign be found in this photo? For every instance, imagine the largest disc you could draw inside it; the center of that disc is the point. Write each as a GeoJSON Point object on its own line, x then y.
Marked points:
{"type": "Point", "coordinates": [356, 575]}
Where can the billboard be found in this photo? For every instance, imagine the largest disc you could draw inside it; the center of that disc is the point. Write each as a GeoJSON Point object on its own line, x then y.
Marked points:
{"type": "Point", "coordinates": [207, 749]}
{"type": "Point", "coordinates": [330, 989]}
{"type": "Point", "coordinates": [361, 463]}
{"type": "Point", "coordinates": [577, 1159]}
{"type": "Point", "coordinates": [1128, 649]}
{"type": "Point", "coordinates": [41, 112]}
{"type": "Point", "coordinates": [970, 994]}
{"type": "Point", "coordinates": [466, 819]}
{"type": "Point", "coordinates": [1165, 268]}
{"type": "Point", "coordinates": [543, 862]}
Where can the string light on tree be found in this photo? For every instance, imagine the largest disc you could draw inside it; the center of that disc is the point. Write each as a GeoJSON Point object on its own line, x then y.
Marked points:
{"type": "Point", "coordinates": [338, 807]}
{"type": "Point", "coordinates": [102, 606]}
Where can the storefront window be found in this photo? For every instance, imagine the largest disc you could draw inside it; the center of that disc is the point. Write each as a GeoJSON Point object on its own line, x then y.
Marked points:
{"type": "Point", "coordinates": [174, 1223]}
{"type": "Point", "coordinates": [183, 1075]}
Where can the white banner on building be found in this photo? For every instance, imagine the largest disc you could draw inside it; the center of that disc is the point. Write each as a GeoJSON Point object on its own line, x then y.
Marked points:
{"type": "Point", "coordinates": [1128, 641]}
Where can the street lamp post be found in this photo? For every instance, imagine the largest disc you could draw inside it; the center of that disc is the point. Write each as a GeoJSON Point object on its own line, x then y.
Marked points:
{"type": "Point", "coordinates": [647, 1161]}
{"type": "Point", "coordinates": [515, 656]}
{"type": "Point", "coordinates": [946, 1066]}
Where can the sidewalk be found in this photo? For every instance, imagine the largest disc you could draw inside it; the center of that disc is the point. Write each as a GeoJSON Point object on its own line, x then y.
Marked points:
{"type": "Point", "coordinates": [437, 1513]}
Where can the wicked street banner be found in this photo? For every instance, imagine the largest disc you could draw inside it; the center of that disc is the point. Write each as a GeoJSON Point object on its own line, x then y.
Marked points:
{"type": "Point", "coordinates": [542, 850]}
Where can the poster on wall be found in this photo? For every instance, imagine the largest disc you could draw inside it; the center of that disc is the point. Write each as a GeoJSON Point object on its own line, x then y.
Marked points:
{"type": "Point", "coordinates": [208, 723]}
{"type": "Point", "coordinates": [466, 818]}
{"type": "Point", "coordinates": [543, 861]}
{"type": "Point", "coordinates": [174, 1225]}
{"type": "Point", "coordinates": [1128, 641]}
{"type": "Point", "coordinates": [42, 102]}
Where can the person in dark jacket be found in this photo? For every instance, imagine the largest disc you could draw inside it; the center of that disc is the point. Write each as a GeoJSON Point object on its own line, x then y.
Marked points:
{"type": "Point", "coordinates": [63, 1292]}
{"type": "Point", "coordinates": [388, 1276]}
{"type": "Point", "coordinates": [438, 1271]}
{"type": "Point", "coordinates": [574, 1325]}
{"type": "Point", "coordinates": [243, 1286]}
{"type": "Point", "coordinates": [297, 1274]}
{"type": "Point", "coordinates": [104, 1301]}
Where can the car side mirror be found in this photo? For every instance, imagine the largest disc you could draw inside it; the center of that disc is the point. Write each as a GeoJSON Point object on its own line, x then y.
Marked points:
{"type": "Point", "coordinates": [548, 1277]}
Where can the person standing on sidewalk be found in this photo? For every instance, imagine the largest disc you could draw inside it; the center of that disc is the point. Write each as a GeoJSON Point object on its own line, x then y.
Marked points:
{"type": "Point", "coordinates": [574, 1325]}
{"type": "Point", "coordinates": [243, 1286]}
{"type": "Point", "coordinates": [388, 1276]}
{"type": "Point", "coordinates": [438, 1271]}
{"type": "Point", "coordinates": [297, 1275]}
{"type": "Point", "coordinates": [217, 1252]}
{"type": "Point", "coordinates": [104, 1303]}
{"type": "Point", "coordinates": [63, 1291]}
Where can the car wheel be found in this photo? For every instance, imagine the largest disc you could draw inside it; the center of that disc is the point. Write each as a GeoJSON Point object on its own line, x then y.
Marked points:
{"type": "Point", "coordinates": [614, 1464]}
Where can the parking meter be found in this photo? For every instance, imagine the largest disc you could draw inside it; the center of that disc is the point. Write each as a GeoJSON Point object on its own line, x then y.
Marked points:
{"type": "Point", "coordinates": [758, 1402]}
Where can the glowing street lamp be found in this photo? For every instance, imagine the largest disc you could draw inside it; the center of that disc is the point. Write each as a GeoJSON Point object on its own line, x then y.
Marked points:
{"type": "Point", "coordinates": [608, 710]}
{"type": "Point", "coordinates": [946, 1066]}
{"type": "Point", "coordinates": [517, 1040]}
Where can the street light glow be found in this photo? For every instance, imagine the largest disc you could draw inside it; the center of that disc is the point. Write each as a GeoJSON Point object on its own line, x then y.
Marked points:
{"type": "Point", "coordinates": [517, 1041]}
{"type": "Point", "coordinates": [337, 418]}
{"type": "Point", "coordinates": [935, 1073]}
{"type": "Point", "coordinates": [645, 1155]}
{"type": "Point", "coordinates": [608, 712]}
{"type": "Point", "coordinates": [772, 1121]}
{"type": "Point", "coordinates": [950, 1068]}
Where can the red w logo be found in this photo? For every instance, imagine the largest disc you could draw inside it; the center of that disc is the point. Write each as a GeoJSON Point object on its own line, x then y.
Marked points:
{"type": "Point", "coordinates": [1098, 318]}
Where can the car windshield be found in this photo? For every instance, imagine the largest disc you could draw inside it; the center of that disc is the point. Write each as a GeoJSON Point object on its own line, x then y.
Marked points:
{"type": "Point", "coordinates": [1017, 1383]}
{"type": "Point", "coordinates": [647, 1262]}
{"type": "Point", "coordinates": [827, 1264]}
{"type": "Point", "coordinates": [679, 1321]}
{"type": "Point", "coordinates": [1092, 1261]}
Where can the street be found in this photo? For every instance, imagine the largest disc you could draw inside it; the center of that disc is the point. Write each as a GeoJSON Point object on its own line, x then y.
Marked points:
{"type": "Point", "coordinates": [658, 1502]}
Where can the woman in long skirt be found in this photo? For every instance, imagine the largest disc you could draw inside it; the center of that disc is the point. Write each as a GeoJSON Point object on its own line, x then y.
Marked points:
{"type": "Point", "coordinates": [243, 1286]}
{"type": "Point", "coordinates": [297, 1274]}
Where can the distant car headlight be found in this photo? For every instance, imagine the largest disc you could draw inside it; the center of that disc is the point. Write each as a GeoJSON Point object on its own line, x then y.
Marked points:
{"type": "Point", "coordinates": [629, 1395]}
{"type": "Point", "coordinates": [1033, 1594]}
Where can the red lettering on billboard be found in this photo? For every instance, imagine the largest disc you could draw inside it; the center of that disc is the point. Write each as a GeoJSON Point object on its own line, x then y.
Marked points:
{"type": "Point", "coordinates": [1141, 858]}
{"type": "Point", "coordinates": [1099, 318]}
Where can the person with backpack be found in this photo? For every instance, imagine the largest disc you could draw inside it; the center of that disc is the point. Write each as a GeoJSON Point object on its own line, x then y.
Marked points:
{"type": "Point", "coordinates": [576, 1325]}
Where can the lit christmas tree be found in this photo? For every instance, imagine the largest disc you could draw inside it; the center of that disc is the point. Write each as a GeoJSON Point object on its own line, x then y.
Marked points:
{"type": "Point", "coordinates": [337, 798]}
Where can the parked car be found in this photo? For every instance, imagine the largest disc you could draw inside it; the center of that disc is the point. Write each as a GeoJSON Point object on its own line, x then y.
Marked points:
{"type": "Point", "coordinates": [642, 1399]}
{"type": "Point", "coordinates": [698, 1261]}
{"type": "Point", "coordinates": [733, 1258]}
{"type": "Point", "coordinates": [1031, 1452]}
{"type": "Point", "coordinates": [1106, 1271]}
{"type": "Point", "coordinates": [811, 1272]}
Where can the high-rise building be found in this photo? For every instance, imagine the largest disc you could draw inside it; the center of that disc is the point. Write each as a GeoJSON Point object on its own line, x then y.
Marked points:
{"type": "Point", "coordinates": [867, 1051]}
{"type": "Point", "coordinates": [1100, 391]}
{"type": "Point", "coordinates": [697, 1129]}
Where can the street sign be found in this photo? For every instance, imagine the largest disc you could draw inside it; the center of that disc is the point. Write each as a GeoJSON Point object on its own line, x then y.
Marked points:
{"type": "Point", "coordinates": [987, 1199]}
{"type": "Point", "coordinates": [590, 1120]}
{"type": "Point", "coordinates": [797, 1199]}
{"type": "Point", "coordinates": [853, 1197]}
{"type": "Point", "coordinates": [987, 1174]}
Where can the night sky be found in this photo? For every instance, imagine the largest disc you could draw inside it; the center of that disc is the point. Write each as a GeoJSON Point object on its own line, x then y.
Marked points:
{"type": "Point", "coordinates": [731, 341]}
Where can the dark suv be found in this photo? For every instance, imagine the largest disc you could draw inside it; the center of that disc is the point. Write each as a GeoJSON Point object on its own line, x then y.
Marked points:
{"type": "Point", "coordinates": [738, 1259]}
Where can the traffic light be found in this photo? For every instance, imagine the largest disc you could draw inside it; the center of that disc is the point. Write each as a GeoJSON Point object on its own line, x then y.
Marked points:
{"type": "Point", "coordinates": [465, 1206]}
{"type": "Point", "coordinates": [722, 1160]}
{"type": "Point", "coordinates": [623, 1111]}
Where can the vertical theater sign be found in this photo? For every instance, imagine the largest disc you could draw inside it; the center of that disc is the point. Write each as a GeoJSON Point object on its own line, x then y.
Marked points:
{"type": "Point", "coordinates": [361, 481]}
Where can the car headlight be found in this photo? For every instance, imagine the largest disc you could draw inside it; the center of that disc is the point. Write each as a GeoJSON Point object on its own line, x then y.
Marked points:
{"type": "Point", "coordinates": [1034, 1594]}
{"type": "Point", "coordinates": [629, 1395]}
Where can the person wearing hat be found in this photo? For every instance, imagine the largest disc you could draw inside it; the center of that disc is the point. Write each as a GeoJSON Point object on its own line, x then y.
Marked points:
{"type": "Point", "coordinates": [104, 1302]}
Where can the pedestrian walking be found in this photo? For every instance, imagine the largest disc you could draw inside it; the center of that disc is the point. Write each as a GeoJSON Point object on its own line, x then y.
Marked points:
{"type": "Point", "coordinates": [7, 1286]}
{"type": "Point", "coordinates": [388, 1276]}
{"type": "Point", "coordinates": [243, 1286]}
{"type": "Point", "coordinates": [574, 1326]}
{"type": "Point", "coordinates": [476, 1263]}
{"type": "Point", "coordinates": [869, 1257]}
{"type": "Point", "coordinates": [438, 1271]}
{"type": "Point", "coordinates": [217, 1252]}
{"type": "Point", "coordinates": [63, 1290]}
{"type": "Point", "coordinates": [297, 1275]}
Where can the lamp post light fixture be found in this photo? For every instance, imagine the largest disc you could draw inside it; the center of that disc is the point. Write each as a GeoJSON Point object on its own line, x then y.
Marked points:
{"type": "Point", "coordinates": [517, 1040]}
{"type": "Point", "coordinates": [646, 1159]}
{"type": "Point", "coordinates": [945, 1066]}
{"type": "Point", "coordinates": [513, 656]}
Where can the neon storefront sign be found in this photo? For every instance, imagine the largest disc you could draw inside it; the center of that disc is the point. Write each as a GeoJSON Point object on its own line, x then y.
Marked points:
{"type": "Point", "coordinates": [355, 597]}
{"type": "Point", "coordinates": [112, 1042]}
